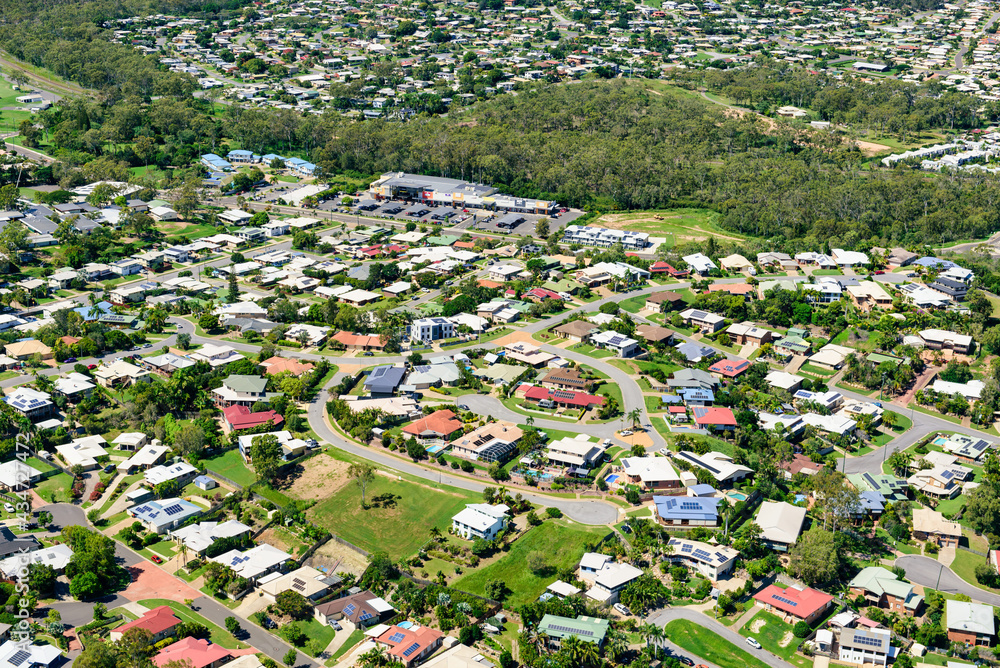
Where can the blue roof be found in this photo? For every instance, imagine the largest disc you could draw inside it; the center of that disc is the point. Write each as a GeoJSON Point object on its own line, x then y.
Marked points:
{"type": "Point", "coordinates": [696, 394]}
{"type": "Point", "coordinates": [84, 311]}
{"type": "Point", "coordinates": [165, 512]}
{"type": "Point", "coordinates": [240, 153]}
{"type": "Point", "coordinates": [271, 156]}
{"type": "Point", "coordinates": [693, 351]}
{"type": "Point", "coordinates": [669, 399]}
{"type": "Point", "coordinates": [701, 489]}
{"type": "Point", "coordinates": [935, 262]}
{"type": "Point", "coordinates": [687, 508]}
{"type": "Point", "coordinates": [296, 161]}
{"type": "Point", "coordinates": [384, 379]}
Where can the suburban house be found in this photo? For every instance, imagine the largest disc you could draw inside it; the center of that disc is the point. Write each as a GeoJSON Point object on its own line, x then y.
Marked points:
{"type": "Point", "coordinates": [194, 652]}
{"type": "Point", "coordinates": [160, 622]}
{"type": "Point", "coordinates": [970, 623]}
{"type": "Point", "coordinates": [480, 520]}
{"type": "Point", "coordinates": [705, 322]}
{"type": "Point", "coordinates": [607, 576]}
{"type": "Point", "coordinates": [648, 473]}
{"type": "Point", "coordinates": [744, 333]}
{"type": "Point", "coordinates": [780, 524]}
{"type": "Point", "coordinates": [574, 453]}
{"type": "Point", "coordinates": [686, 511]}
{"type": "Point", "coordinates": [712, 561]}
{"type": "Point", "coordinates": [164, 515]}
{"type": "Point", "coordinates": [438, 426]}
{"type": "Point", "coordinates": [659, 301]}
{"type": "Point", "coordinates": [382, 381]}
{"type": "Point", "coordinates": [930, 525]}
{"type": "Point", "coordinates": [199, 537]}
{"type": "Point", "coordinates": [623, 346]}
{"type": "Point", "coordinates": [242, 390]}
{"type": "Point", "coordinates": [567, 379]}
{"type": "Point", "coordinates": [410, 646]}
{"type": "Point", "coordinates": [577, 330]}
{"type": "Point", "coordinates": [587, 629]}
{"type": "Point", "coordinates": [868, 295]}
{"type": "Point", "coordinates": [355, 611]}
{"type": "Point", "coordinates": [493, 442]}
{"type": "Point", "coordinates": [865, 646]}
{"type": "Point", "coordinates": [305, 581]}
{"type": "Point", "coordinates": [882, 588]}
{"type": "Point", "coordinates": [182, 473]}
{"type": "Point", "coordinates": [547, 398]}
{"type": "Point", "coordinates": [256, 562]}
{"type": "Point", "coordinates": [656, 334]}
{"type": "Point", "coordinates": [720, 465]}
{"type": "Point", "coordinates": [942, 339]}
{"type": "Point", "coordinates": [806, 604]}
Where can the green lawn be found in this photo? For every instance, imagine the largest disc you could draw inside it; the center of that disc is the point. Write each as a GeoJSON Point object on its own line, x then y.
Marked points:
{"type": "Point", "coordinates": [677, 224]}
{"type": "Point", "coordinates": [590, 351]}
{"type": "Point", "coordinates": [320, 635]}
{"type": "Point", "coordinates": [399, 530]}
{"type": "Point", "coordinates": [59, 485]}
{"type": "Point", "coordinates": [230, 464]}
{"type": "Point", "coordinates": [771, 636]}
{"type": "Point", "coordinates": [965, 567]}
{"type": "Point", "coordinates": [633, 304]}
{"type": "Point", "coordinates": [349, 644]}
{"type": "Point", "coordinates": [817, 370]}
{"type": "Point", "coordinates": [611, 390]}
{"type": "Point", "coordinates": [660, 425]}
{"type": "Point", "coordinates": [560, 542]}
{"type": "Point", "coordinates": [218, 635]}
{"type": "Point", "coordinates": [709, 646]}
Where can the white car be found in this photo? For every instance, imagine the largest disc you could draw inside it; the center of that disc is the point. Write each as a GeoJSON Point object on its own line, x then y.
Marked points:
{"type": "Point", "coordinates": [622, 609]}
{"type": "Point", "coordinates": [8, 507]}
{"type": "Point", "coordinates": [627, 432]}
{"type": "Point", "coordinates": [753, 643]}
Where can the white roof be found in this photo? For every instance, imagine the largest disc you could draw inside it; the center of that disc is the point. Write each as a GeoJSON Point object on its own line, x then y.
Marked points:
{"type": "Point", "coordinates": [480, 516]}
{"type": "Point", "coordinates": [834, 424]}
{"type": "Point", "coordinates": [782, 380]}
{"type": "Point", "coordinates": [563, 588]}
{"type": "Point", "coordinates": [148, 455]}
{"type": "Point", "coordinates": [199, 536]}
{"type": "Point", "coordinates": [650, 469]}
{"type": "Point", "coordinates": [615, 574]}
{"type": "Point", "coordinates": [38, 655]}
{"type": "Point", "coordinates": [56, 556]}
{"type": "Point", "coordinates": [780, 522]}
{"type": "Point", "coordinates": [16, 473]}
{"type": "Point", "coordinates": [971, 617]}
{"type": "Point", "coordinates": [161, 474]}
{"type": "Point", "coordinates": [254, 561]}
{"type": "Point", "coordinates": [83, 451]}
{"type": "Point", "coordinates": [593, 560]}
{"type": "Point", "coordinates": [970, 390]}
{"type": "Point", "coordinates": [942, 335]}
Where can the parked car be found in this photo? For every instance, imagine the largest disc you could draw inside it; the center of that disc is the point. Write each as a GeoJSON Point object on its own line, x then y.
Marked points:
{"type": "Point", "coordinates": [91, 367]}
{"type": "Point", "coordinates": [368, 353]}
{"type": "Point", "coordinates": [627, 432]}
{"type": "Point", "coordinates": [156, 559]}
{"type": "Point", "coordinates": [753, 643]}
{"type": "Point", "coordinates": [70, 360]}
{"type": "Point", "coordinates": [335, 624]}
{"type": "Point", "coordinates": [8, 507]}
{"type": "Point", "coordinates": [110, 468]}
{"type": "Point", "coordinates": [463, 407]}
{"type": "Point", "coordinates": [622, 609]}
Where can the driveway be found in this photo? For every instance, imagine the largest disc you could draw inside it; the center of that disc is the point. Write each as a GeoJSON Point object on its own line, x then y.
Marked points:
{"type": "Point", "coordinates": [930, 573]}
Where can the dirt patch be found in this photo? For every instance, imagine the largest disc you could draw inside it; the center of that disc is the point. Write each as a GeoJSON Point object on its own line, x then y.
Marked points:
{"type": "Point", "coordinates": [323, 476]}
{"type": "Point", "coordinates": [786, 639]}
{"type": "Point", "coordinates": [871, 148]}
{"type": "Point", "coordinates": [337, 558]}
{"type": "Point", "coordinates": [756, 625]}
{"type": "Point", "coordinates": [271, 537]}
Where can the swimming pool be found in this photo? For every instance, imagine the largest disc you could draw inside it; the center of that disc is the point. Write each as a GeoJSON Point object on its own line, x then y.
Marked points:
{"type": "Point", "coordinates": [940, 440]}
{"type": "Point", "coordinates": [537, 474]}
{"type": "Point", "coordinates": [405, 624]}
{"type": "Point", "coordinates": [739, 496]}
{"type": "Point", "coordinates": [434, 449]}
{"type": "Point", "coordinates": [611, 478]}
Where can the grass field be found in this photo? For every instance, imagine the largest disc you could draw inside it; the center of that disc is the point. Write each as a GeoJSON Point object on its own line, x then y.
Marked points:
{"type": "Point", "coordinates": [677, 225]}
{"type": "Point", "coordinates": [58, 484]}
{"type": "Point", "coordinates": [772, 635]}
{"type": "Point", "coordinates": [230, 464]}
{"type": "Point", "coordinates": [561, 542]}
{"type": "Point", "coordinates": [709, 646]}
{"type": "Point", "coordinates": [400, 530]}
{"type": "Point", "coordinates": [219, 635]}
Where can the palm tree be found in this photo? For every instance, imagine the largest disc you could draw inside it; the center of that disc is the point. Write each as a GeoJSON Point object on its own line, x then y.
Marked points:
{"type": "Point", "coordinates": [635, 417]}
{"type": "Point", "coordinates": [530, 421]}
{"type": "Point", "coordinates": [616, 645]}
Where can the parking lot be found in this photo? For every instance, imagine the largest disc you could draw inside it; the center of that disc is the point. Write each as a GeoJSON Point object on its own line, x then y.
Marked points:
{"type": "Point", "coordinates": [493, 222]}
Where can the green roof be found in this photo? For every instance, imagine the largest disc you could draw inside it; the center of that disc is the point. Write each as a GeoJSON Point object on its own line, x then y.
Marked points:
{"type": "Point", "coordinates": [565, 285]}
{"type": "Point", "coordinates": [442, 240]}
{"type": "Point", "coordinates": [879, 358]}
{"type": "Point", "coordinates": [588, 629]}
{"type": "Point", "coordinates": [880, 581]}
{"type": "Point", "coordinates": [246, 384]}
{"type": "Point", "coordinates": [794, 343]}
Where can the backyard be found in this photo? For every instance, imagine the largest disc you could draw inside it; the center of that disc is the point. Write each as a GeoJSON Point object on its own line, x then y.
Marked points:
{"type": "Point", "coordinates": [560, 542]}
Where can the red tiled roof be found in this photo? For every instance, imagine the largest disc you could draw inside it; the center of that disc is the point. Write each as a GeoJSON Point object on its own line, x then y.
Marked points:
{"type": "Point", "coordinates": [277, 365]}
{"type": "Point", "coordinates": [730, 368]}
{"type": "Point", "coordinates": [367, 340]}
{"type": "Point", "coordinates": [581, 399]}
{"type": "Point", "coordinates": [155, 621]}
{"type": "Point", "coordinates": [199, 652]}
{"type": "Point", "coordinates": [240, 417]}
{"type": "Point", "coordinates": [464, 244]}
{"type": "Point", "coordinates": [541, 293]}
{"type": "Point", "coordinates": [801, 603]}
{"type": "Point", "coordinates": [422, 636]}
{"type": "Point", "coordinates": [732, 288]}
{"type": "Point", "coordinates": [714, 415]}
{"type": "Point", "coordinates": [442, 423]}
{"type": "Point", "coordinates": [676, 409]}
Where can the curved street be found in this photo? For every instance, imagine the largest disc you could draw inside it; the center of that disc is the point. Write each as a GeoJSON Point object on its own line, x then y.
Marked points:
{"type": "Point", "coordinates": [931, 573]}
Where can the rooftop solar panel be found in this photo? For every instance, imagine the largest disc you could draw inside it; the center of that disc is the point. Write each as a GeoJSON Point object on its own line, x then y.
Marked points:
{"type": "Point", "coordinates": [787, 601]}
{"type": "Point", "coordinates": [411, 649]}
{"type": "Point", "coordinates": [397, 637]}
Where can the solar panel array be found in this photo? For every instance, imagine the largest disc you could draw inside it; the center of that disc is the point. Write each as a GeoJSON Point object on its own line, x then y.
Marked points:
{"type": "Point", "coordinates": [299, 584]}
{"type": "Point", "coordinates": [867, 640]}
{"type": "Point", "coordinates": [687, 548]}
{"type": "Point", "coordinates": [349, 610]}
{"type": "Point", "coordinates": [19, 657]}
{"type": "Point", "coordinates": [365, 616]}
{"type": "Point", "coordinates": [784, 600]}
{"type": "Point", "coordinates": [703, 555]}
{"type": "Point", "coordinates": [173, 510]}
{"type": "Point", "coordinates": [411, 649]}
{"type": "Point", "coordinates": [690, 505]}
{"type": "Point", "coordinates": [397, 637]}
{"type": "Point", "coordinates": [576, 632]}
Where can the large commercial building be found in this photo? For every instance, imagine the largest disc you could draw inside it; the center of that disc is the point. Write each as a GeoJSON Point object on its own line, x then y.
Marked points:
{"type": "Point", "coordinates": [453, 192]}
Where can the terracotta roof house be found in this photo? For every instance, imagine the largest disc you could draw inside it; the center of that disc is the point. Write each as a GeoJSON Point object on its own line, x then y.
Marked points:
{"type": "Point", "coordinates": [562, 398]}
{"type": "Point", "coordinates": [714, 417]}
{"type": "Point", "coordinates": [744, 289]}
{"type": "Point", "coordinates": [730, 368]}
{"type": "Point", "coordinates": [159, 621]}
{"type": "Point", "coordinates": [799, 463]}
{"type": "Point", "coordinates": [200, 653]}
{"type": "Point", "coordinates": [806, 604]}
{"type": "Point", "coordinates": [437, 425]}
{"type": "Point", "coordinates": [358, 341]}
{"type": "Point", "coordinates": [276, 365]}
{"type": "Point", "coordinates": [239, 417]}
{"type": "Point", "coordinates": [412, 645]}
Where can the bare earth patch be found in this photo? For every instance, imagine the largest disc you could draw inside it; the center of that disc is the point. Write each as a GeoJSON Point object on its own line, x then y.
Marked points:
{"type": "Point", "coordinates": [323, 476]}
{"type": "Point", "coordinates": [871, 148]}
{"type": "Point", "coordinates": [756, 625]}
{"type": "Point", "coordinates": [786, 639]}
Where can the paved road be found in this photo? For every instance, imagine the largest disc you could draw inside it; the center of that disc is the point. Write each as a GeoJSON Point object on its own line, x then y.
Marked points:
{"type": "Point", "coordinates": [64, 514]}
{"type": "Point", "coordinates": [662, 617]}
{"type": "Point", "coordinates": [930, 573]}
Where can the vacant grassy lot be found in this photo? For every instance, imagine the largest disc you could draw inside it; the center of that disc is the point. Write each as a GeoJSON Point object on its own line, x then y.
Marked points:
{"type": "Point", "coordinates": [219, 635]}
{"type": "Point", "coordinates": [775, 636]}
{"type": "Point", "coordinates": [709, 646]}
{"type": "Point", "coordinates": [560, 542]}
{"type": "Point", "coordinates": [230, 464]}
{"type": "Point", "coordinates": [677, 225]}
{"type": "Point", "coordinates": [400, 514]}
{"type": "Point", "coordinates": [56, 488]}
